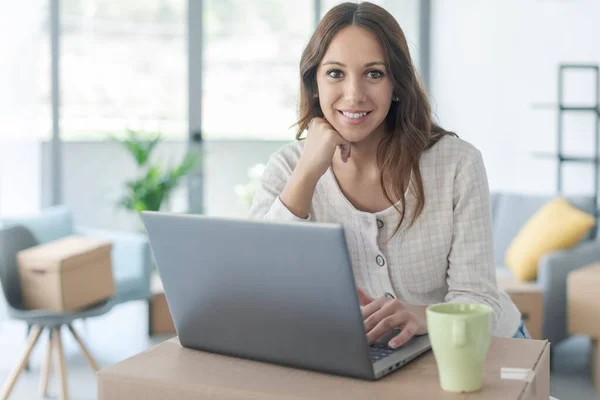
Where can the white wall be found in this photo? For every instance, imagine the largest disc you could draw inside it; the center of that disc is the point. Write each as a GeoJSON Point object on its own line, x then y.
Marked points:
{"type": "Point", "coordinates": [492, 61]}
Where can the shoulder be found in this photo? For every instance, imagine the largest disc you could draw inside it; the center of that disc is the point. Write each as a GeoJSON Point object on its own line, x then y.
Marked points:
{"type": "Point", "coordinates": [452, 154]}
{"type": "Point", "coordinates": [453, 149]}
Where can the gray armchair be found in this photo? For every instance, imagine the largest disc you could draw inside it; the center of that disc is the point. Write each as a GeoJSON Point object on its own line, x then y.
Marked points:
{"type": "Point", "coordinates": [509, 213]}
{"type": "Point", "coordinates": [131, 256]}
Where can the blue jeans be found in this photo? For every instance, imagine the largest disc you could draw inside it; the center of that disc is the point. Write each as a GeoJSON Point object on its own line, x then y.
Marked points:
{"type": "Point", "coordinates": [522, 332]}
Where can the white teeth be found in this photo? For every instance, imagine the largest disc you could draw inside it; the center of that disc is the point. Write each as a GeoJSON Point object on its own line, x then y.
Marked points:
{"type": "Point", "coordinates": [352, 115]}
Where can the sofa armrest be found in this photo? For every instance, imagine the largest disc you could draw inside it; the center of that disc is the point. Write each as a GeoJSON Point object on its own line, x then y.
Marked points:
{"type": "Point", "coordinates": [553, 270]}
{"type": "Point", "coordinates": [131, 256]}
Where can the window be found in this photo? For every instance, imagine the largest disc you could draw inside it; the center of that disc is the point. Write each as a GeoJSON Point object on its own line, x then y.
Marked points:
{"type": "Point", "coordinates": [25, 111]}
{"type": "Point", "coordinates": [251, 63]}
{"type": "Point", "coordinates": [25, 70]}
{"type": "Point", "coordinates": [123, 64]}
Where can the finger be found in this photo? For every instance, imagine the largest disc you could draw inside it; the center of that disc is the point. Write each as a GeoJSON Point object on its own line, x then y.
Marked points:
{"type": "Point", "coordinates": [407, 333]}
{"type": "Point", "coordinates": [373, 307]}
{"type": "Point", "coordinates": [363, 298]}
{"type": "Point", "coordinates": [386, 324]}
{"type": "Point", "coordinates": [378, 315]}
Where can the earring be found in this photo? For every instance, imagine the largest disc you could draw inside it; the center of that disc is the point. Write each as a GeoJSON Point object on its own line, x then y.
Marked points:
{"type": "Point", "coordinates": [316, 95]}
{"type": "Point", "coordinates": [395, 98]}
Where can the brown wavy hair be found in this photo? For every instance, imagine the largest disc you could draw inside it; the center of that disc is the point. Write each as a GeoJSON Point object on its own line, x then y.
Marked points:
{"type": "Point", "coordinates": [410, 128]}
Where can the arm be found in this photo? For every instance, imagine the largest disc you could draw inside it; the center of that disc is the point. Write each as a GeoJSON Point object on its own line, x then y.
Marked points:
{"type": "Point", "coordinates": [471, 275]}
{"type": "Point", "coordinates": [287, 187]}
{"type": "Point", "coordinates": [277, 178]}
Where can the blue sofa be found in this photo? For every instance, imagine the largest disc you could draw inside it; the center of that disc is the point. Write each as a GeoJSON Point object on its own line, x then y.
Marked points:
{"type": "Point", "coordinates": [509, 213]}
{"type": "Point", "coordinates": [131, 255]}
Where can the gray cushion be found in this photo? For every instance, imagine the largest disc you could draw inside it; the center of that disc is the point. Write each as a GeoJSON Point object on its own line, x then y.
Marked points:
{"type": "Point", "coordinates": [512, 211]}
{"type": "Point", "coordinates": [50, 224]}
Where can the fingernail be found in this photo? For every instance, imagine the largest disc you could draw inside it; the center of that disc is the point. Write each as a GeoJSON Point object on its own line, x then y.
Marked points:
{"type": "Point", "coordinates": [393, 345]}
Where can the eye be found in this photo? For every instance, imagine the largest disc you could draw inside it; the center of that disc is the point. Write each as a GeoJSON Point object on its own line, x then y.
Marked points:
{"type": "Point", "coordinates": [375, 74]}
{"type": "Point", "coordinates": [334, 73]}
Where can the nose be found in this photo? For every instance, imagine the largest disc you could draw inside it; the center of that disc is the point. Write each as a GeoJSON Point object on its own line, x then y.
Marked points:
{"type": "Point", "coordinates": [354, 91]}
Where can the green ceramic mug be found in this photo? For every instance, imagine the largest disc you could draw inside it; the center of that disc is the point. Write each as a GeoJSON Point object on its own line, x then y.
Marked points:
{"type": "Point", "coordinates": [460, 338]}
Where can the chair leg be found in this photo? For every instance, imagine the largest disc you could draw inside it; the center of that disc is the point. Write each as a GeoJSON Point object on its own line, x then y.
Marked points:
{"type": "Point", "coordinates": [46, 366]}
{"type": "Point", "coordinates": [27, 367]}
{"type": "Point", "coordinates": [61, 365]}
{"type": "Point", "coordinates": [595, 363]}
{"type": "Point", "coordinates": [84, 349]}
{"type": "Point", "coordinates": [33, 337]}
{"type": "Point", "coordinates": [150, 333]}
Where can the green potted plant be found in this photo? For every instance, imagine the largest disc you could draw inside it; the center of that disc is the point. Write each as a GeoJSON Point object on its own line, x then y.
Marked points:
{"type": "Point", "coordinates": [155, 182]}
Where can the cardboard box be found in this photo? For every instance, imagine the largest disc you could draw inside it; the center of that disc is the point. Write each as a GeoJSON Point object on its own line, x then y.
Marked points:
{"type": "Point", "coordinates": [159, 314]}
{"type": "Point", "coordinates": [583, 301]}
{"type": "Point", "coordinates": [67, 274]}
{"type": "Point", "coordinates": [169, 371]}
{"type": "Point", "coordinates": [529, 299]}
{"type": "Point", "coordinates": [583, 311]}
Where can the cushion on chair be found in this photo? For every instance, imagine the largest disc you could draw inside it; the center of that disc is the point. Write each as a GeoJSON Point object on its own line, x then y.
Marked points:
{"type": "Point", "coordinates": [557, 225]}
{"type": "Point", "coordinates": [50, 224]}
{"type": "Point", "coordinates": [511, 211]}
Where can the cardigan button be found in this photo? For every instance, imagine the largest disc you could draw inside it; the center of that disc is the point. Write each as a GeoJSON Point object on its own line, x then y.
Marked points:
{"type": "Point", "coordinates": [380, 261]}
{"type": "Point", "coordinates": [379, 224]}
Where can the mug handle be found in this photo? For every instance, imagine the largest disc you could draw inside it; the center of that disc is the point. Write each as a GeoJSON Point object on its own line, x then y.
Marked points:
{"type": "Point", "coordinates": [459, 333]}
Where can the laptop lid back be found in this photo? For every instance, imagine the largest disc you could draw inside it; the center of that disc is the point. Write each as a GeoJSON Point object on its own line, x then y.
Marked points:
{"type": "Point", "coordinates": [276, 292]}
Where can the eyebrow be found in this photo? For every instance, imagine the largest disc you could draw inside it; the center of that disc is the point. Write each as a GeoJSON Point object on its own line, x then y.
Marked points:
{"type": "Point", "coordinates": [343, 65]}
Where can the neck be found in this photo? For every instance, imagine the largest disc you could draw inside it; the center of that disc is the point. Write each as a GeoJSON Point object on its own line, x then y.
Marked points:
{"type": "Point", "coordinates": [363, 156]}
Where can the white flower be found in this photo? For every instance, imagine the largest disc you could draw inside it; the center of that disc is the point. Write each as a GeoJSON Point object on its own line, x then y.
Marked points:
{"type": "Point", "coordinates": [256, 171]}
{"type": "Point", "coordinates": [247, 191]}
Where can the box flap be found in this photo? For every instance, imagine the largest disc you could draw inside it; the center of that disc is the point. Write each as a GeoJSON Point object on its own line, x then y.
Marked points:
{"type": "Point", "coordinates": [64, 253]}
{"type": "Point", "coordinates": [171, 371]}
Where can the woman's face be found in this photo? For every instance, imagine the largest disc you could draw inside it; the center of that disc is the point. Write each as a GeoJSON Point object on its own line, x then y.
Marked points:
{"type": "Point", "coordinates": [355, 90]}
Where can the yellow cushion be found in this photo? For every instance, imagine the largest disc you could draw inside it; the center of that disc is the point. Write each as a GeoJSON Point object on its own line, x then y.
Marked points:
{"type": "Point", "coordinates": [557, 225]}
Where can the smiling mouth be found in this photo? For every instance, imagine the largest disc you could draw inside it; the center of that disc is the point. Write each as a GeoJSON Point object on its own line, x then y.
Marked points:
{"type": "Point", "coordinates": [354, 115]}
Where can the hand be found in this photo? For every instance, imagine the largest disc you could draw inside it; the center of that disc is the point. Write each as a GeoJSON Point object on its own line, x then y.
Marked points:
{"type": "Point", "coordinates": [382, 315]}
{"type": "Point", "coordinates": [319, 147]}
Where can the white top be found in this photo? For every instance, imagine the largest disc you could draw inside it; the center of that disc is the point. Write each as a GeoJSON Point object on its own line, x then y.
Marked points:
{"type": "Point", "coordinates": [446, 256]}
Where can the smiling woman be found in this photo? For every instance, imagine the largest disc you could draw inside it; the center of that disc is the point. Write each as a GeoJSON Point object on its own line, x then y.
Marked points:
{"type": "Point", "coordinates": [358, 61]}
{"type": "Point", "coordinates": [413, 198]}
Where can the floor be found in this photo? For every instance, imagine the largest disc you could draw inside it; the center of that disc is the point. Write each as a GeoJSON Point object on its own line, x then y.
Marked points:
{"type": "Point", "coordinates": [122, 333]}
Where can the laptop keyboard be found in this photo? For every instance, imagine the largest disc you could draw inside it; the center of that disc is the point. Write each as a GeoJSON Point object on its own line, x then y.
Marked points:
{"type": "Point", "coordinates": [379, 351]}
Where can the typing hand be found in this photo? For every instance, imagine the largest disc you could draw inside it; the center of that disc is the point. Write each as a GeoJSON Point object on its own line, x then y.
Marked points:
{"type": "Point", "coordinates": [382, 315]}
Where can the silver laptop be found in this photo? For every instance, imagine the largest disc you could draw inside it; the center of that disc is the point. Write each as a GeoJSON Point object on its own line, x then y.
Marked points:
{"type": "Point", "coordinates": [276, 292]}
